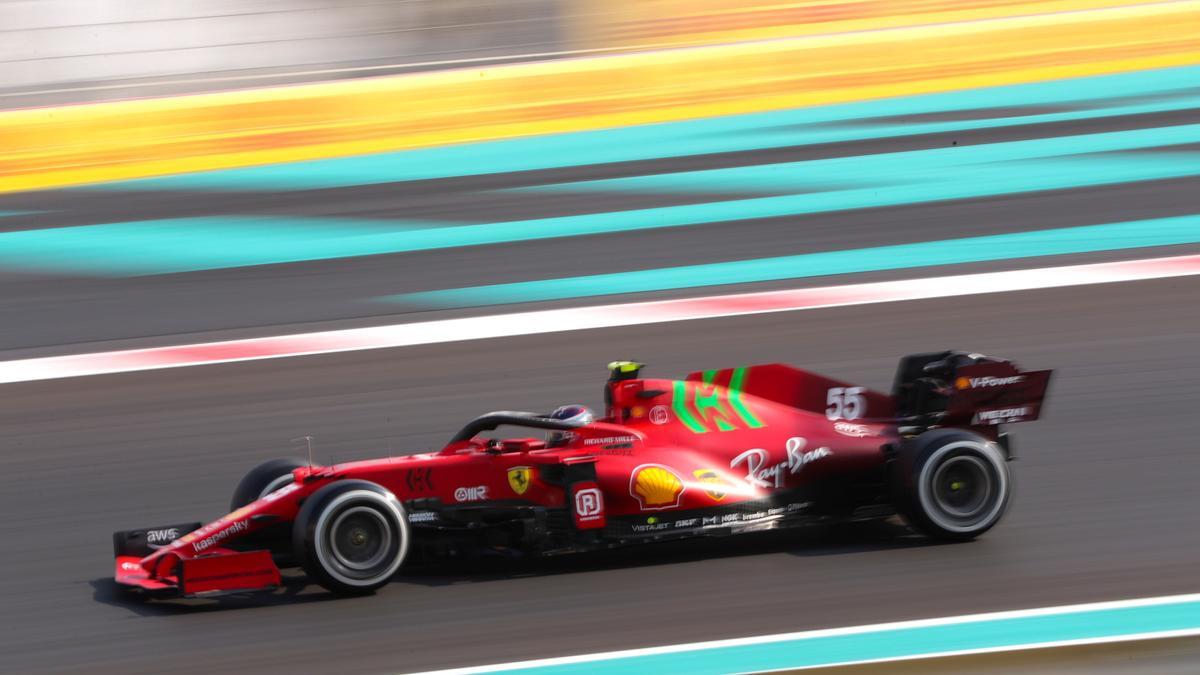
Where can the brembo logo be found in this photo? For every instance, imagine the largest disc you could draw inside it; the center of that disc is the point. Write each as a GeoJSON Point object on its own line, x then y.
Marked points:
{"type": "Point", "coordinates": [987, 381]}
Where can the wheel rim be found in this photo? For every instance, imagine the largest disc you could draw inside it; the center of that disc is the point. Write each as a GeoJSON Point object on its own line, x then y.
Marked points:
{"type": "Point", "coordinates": [962, 487]}
{"type": "Point", "coordinates": [360, 538]}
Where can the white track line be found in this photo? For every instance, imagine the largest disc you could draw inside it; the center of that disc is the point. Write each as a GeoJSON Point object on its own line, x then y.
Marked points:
{"type": "Point", "coordinates": [873, 628]}
{"type": "Point", "coordinates": [584, 318]}
{"type": "Point", "coordinates": [1131, 637]}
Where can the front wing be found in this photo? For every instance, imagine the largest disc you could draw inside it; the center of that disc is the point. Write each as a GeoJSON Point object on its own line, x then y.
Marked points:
{"type": "Point", "coordinates": [222, 571]}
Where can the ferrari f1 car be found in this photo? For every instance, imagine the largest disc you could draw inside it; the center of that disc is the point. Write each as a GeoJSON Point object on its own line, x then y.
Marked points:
{"type": "Point", "coordinates": [718, 453]}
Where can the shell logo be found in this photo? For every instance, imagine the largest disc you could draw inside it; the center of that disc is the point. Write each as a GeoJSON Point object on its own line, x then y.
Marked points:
{"type": "Point", "coordinates": [656, 487]}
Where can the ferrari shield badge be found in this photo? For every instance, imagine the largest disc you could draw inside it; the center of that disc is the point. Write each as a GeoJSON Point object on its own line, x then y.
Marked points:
{"type": "Point", "coordinates": [710, 477]}
{"type": "Point", "coordinates": [519, 477]}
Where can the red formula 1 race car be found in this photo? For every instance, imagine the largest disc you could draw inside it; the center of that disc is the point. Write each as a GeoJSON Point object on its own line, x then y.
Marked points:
{"type": "Point", "coordinates": [719, 453]}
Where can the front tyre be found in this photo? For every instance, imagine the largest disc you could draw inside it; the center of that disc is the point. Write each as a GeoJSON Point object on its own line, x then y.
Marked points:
{"type": "Point", "coordinates": [264, 479]}
{"type": "Point", "coordinates": [351, 536]}
{"type": "Point", "coordinates": [951, 484]}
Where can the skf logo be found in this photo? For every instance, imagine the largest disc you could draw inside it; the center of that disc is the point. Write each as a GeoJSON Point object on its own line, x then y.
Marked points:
{"type": "Point", "coordinates": [519, 477]}
{"type": "Point", "coordinates": [655, 487]}
{"type": "Point", "coordinates": [710, 477]}
{"type": "Point", "coordinates": [589, 506]}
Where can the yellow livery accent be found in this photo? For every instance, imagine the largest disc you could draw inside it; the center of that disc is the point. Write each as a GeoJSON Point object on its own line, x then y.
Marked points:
{"type": "Point", "coordinates": [73, 145]}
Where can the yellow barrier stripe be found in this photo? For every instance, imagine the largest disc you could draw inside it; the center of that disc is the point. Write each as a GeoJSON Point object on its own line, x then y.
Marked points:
{"type": "Point", "coordinates": [629, 23]}
{"type": "Point", "coordinates": [75, 145]}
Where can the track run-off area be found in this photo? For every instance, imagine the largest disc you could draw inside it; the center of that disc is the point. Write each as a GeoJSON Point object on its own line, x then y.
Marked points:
{"type": "Point", "coordinates": [1053, 223]}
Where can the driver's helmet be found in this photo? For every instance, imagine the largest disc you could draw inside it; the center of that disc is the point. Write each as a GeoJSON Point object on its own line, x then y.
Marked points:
{"type": "Point", "coordinates": [575, 413]}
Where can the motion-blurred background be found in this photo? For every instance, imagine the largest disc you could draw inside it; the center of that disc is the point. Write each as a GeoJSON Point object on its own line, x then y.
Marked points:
{"type": "Point", "coordinates": [185, 172]}
{"type": "Point", "coordinates": [88, 50]}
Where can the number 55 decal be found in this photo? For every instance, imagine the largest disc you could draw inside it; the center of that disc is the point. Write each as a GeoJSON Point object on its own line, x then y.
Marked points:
{"type": "Point", "coordinates": [845, 403]}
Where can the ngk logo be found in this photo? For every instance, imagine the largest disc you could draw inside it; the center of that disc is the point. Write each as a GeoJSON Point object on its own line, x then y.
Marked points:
{"type": "Point", "coordinates": [589, 507]}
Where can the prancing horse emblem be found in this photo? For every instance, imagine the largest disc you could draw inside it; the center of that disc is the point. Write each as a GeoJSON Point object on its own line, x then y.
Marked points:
{"type": "Point", "coordinates": [518, 478]}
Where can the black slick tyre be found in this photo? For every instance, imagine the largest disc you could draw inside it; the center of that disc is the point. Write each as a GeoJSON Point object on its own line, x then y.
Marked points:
{"type": "Point", "coordinates": [951, 484]}
{"type": "Point", "coordinates": [351, 537]}
{"type": "Point", "coordinates": [263, 480]}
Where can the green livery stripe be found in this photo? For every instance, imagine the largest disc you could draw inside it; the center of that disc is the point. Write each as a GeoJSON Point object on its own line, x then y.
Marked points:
{"type": "Point", "coordinates": [735, 399]}
{"type": "Point", "coordinates": [679, 405]}
{"type": "Point", "coordinates": [713, 400]}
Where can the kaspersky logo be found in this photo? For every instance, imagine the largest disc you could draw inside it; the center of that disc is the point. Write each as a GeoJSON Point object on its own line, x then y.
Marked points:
{"type": "Point", "coordinates": [986, 381]}
{"type": "Point", "coordinates": [704, 406]}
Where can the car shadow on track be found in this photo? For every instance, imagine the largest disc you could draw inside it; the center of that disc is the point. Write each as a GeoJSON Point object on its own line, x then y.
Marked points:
{"type": "Point", "coordinates": [295, 591]}
{"type": "Point", "coordinates": [817, 541]}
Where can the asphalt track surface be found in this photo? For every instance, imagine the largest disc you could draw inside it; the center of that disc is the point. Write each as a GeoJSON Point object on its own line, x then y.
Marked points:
{"type": "Point", "coordinates": [269, 299]}
{"type": "Point", "coordinates": [1105, 483]}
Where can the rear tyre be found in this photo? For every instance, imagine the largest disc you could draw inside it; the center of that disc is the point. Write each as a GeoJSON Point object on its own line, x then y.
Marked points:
{"type": "Point", "coordinates": [951, 484]}
{"type": "Point", "coordinates": [263, 480]}
{"type": "Point", "coordinates": [351, 537]}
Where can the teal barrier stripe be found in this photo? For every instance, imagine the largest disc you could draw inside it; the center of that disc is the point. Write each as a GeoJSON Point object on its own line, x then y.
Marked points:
{"type": "Point", "coordinates": [1093, 97]}
{"type": "Point", "coordinates": [1084, 239]}
{"type": "Point", "coordinates": [913, 166]}
{"type": "Point", "coordinates": [893, 643]}
{"type": "Point", "coordinates": [191, 244]}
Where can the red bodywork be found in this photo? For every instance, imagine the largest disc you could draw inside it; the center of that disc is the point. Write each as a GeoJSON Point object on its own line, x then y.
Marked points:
{"type": "Point", "coordinates": [721, 451]}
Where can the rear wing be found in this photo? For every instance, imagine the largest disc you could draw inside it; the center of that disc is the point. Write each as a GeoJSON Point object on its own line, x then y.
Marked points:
{"type": "Point", "coordinates": [991, 394]}
{"type": "Point", "coordinates": [961, 389]}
